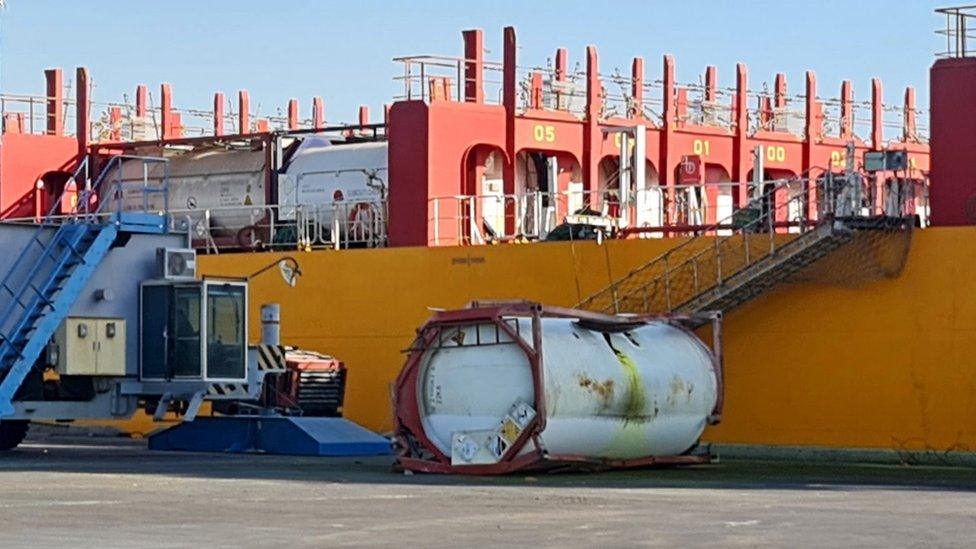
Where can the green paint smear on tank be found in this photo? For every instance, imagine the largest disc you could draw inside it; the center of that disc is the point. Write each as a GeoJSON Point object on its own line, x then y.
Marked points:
{"type": "Point", "coordinates": [631, 436]}
{"type": "Point", "coordinates": [636, 399]}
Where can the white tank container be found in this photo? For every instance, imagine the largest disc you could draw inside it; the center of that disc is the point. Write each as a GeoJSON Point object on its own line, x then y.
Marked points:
{"type": "Point", "coordinates": [645, 392]}
{"type": "Point", "coordinates": [320, 174]}
{"type": "Point", "coordinates": [227, 184]}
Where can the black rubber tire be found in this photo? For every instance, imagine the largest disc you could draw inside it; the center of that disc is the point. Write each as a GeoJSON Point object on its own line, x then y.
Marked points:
{"type": "Point", "coordinates": [12, 433]}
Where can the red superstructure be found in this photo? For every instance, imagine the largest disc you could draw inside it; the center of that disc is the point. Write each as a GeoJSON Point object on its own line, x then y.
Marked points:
{"type": "Point", "coordinates": [458, 133]}
{"type": "Point", "coordinates": [484, 151]}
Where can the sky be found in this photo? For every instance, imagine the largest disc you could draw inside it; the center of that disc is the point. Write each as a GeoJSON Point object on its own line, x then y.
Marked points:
{"type": "Point", "coordinates": [343, 50]}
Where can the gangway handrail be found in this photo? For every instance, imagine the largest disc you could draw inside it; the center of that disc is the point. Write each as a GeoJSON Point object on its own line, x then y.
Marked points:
{"type": "Point", "coordinates": [665, 258]}
{"type": "Point", "coordinates": [842, 198]}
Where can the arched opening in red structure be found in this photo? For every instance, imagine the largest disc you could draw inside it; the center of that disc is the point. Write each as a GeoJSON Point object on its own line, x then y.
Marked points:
{"type": "Point", "coordinates": [643, 208]}
{"type": "Point", "coordinates": [481, 198]}
{"type": "Point", "coordinates": [548, 186]}
{"type": "Point", "coordinates": [50, 188]}
{"type": "Point", "coordinates": [719, 194]}
{"type": "Point", "coordinates": [783, 195]}
{"type": "Point", "coordinates": [706, 201]}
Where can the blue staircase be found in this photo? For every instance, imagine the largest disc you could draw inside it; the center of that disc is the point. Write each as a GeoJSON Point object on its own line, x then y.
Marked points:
{"type": "Point", "coordinates": [46, 279]}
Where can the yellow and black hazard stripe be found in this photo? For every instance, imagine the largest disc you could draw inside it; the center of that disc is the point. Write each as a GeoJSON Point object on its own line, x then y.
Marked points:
{"type": "Point", "coordinates": [227, 389]}
{"type": "Point", "coordinates": [271, 357]}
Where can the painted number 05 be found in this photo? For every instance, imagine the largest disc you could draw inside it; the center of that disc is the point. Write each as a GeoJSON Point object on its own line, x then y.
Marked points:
{"type": "Point", "coordinates": [546, 134]}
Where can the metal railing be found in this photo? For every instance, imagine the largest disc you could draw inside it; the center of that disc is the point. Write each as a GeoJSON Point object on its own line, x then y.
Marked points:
{"type": "Point", "coordinates": [427, 77]}
{"type": "Point", "coordinates": [30, 114]}
{"type": "Point", "coordinates": [432, 77]}
{"type": "Point", "coordinates": [474, 219]}
{"type": "Point", "coordinates": [960, 24]}
{"type": "Point", "coordinates": [652, 212]}
{"type": "Point", "coordinates": [338, 225]}
{"type": "Point", "coordinates": [771, 222]}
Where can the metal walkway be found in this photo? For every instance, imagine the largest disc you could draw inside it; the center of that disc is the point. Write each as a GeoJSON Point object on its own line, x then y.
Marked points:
{"type": "Point", "coordinates": [758, 247]}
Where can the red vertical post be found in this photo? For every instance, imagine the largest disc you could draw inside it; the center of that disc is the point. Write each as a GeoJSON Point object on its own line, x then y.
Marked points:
{"type": "Point", "coordinates": [176, 125]}
{"type": "Point", "coordinates": [711, 83]}
{"type": "Point", "coordinates": [779, 101]}
{"type": "Point", "coordinates": [363, 115]}
{"type": "Point", "coordinates": [877, 129]}
{"type": "Point", "coordinates": [13, 122]}
{"type": "Point", "coordinates": [536, 86]}
{"type": "Point", "coordinates": [115, 123]}
{"type": "Point", "coordinates": [637, 87]}
{"type": "Point", "coordinates": [166, 110]}
{"type": "Point", "coordinates": [83, 106]}
{"type": "Point", "coordinates": [592, 138]}
{"type": "Point", "coordinates": [292, 114]}
{"type": "Point", "coordinates": [742, 156]}
{"type": "Point", "coordinates": [474, 66]}
{"type": "Point", "coordinates": [142, 100]}
{"type": "Point", "coordinates": [766, 113]}
{"type": "Point", "coordinates": [243, 112]}
{"type": "Point", "coordinates": [846, 110]}
{"type": "Point", "coordinates": [665, 172]}
{"type": "Point", "coordinates": [814, 134]}
{"type": "Point", "coordinates": [909, 131]}
{"type": "Point", "coordinates": [318, 113]}
{"type": "Point", "coordinates": [681, 106]}
{"type": "Point", "coordinates": [218, 114]}
{"type": "Point", "coordinates": [877, 115]}
{"type": "Point", "coordinates": [561, 71]}
{"type": "Point", "coordinates": [55, 102]}
{"type": "Point", "coordinates": [509, 90]}
{"type": "Point", "coordinates": [779, 91]}
{"type": "Point", "coordinates": [562, 64]}
{"type": "Point", "coordinates": [509, 98]}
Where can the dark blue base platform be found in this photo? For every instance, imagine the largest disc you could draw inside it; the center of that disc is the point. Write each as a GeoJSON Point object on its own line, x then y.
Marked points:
{"type": "Point", "coordinates": [298, 436]}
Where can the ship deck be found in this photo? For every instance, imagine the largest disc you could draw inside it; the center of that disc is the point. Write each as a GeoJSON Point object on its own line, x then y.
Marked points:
{"type": "Point", "coordinates": [109, 492]}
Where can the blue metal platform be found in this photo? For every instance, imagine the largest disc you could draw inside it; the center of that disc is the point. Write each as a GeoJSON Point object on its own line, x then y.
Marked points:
{"type": "Point", "coordinates": [299, 436]}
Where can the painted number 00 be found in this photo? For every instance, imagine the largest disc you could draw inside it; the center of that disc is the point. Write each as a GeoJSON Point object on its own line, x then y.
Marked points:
{"type": "Point", "coordinates": [775, 154]}
{"type": "Point", "coordinates": [544, 134]}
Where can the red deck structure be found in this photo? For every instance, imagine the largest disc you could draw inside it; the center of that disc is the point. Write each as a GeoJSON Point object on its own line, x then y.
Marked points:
{"type": "Point", "coordinates": [474, 144]}
{"type": "Point", "coordinates": [457, 136]}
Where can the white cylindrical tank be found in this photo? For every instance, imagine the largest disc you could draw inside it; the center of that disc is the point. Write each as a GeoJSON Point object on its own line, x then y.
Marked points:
{"type": "Point", "coordinates": [216, 190]}
{"type": "Point", "coordinates": [320, 174]}
{"type": "Point", "coordinates": [614, 396]}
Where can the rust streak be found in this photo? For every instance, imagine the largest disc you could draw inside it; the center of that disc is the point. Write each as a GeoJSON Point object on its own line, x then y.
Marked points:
{"type": "Point", "coordinates": [604, 390]}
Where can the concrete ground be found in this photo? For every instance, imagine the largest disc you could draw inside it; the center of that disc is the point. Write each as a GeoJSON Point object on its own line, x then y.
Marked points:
{"type": "Point", "coordinates": [98, 492]}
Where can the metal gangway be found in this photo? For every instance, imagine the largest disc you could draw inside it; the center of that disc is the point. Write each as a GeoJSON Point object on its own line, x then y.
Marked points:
{"type": "Point", "coordinates": [771, 240]}
{"type": "Point", "coordinates": [48, 274]}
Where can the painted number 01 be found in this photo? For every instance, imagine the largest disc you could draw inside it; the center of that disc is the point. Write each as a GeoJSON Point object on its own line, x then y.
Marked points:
{"type": "Point", "coordinates": [701, 147]}
{"type": "Point", "coordinates": [544, 134]}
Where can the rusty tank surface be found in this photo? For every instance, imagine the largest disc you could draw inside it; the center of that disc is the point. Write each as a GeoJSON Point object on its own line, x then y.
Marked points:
{"type": "Point", "coordinates": [506, 386]}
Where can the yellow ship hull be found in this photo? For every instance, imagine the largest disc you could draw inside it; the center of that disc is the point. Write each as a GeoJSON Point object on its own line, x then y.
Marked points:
{"type": "Point", "coordinates": [888, 363]}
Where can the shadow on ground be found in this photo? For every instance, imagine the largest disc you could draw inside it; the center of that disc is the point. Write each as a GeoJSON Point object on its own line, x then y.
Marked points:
{"type": "Point", "coordinates": [120, 456]}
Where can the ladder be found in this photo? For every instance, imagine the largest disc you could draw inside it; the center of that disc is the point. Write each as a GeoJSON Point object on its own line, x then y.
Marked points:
{"type": "Point", "coordinates": [748, 253]}
{"type": "Point", "coordinates": [58, 260]}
